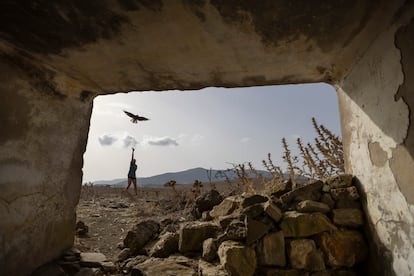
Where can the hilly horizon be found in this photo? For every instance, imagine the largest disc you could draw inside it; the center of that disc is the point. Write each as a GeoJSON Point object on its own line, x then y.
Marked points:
{"type": "Point", "coordinates": [182, 177]}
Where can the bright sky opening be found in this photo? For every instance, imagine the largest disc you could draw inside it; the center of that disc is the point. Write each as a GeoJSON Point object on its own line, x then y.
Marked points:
{"type": "Point", "coordinates": [209, 128]}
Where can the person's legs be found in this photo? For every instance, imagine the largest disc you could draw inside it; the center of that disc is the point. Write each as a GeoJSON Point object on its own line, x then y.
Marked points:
{"type": "Point", "coordinates": [129, 183]}
{"type": "Point", "coordinates": [134, 181]}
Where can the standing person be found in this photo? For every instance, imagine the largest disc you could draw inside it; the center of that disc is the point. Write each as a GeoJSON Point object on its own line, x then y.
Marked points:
{"type": "Point", "coordinates": [131, 173]}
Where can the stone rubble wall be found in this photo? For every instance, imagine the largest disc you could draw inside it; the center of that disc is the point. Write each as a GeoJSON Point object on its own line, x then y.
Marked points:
{"type": "Point", "coordinates": [316, 229]}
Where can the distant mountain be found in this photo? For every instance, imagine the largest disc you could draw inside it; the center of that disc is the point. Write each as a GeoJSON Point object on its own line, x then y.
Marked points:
{"type": "Point", "coordinates": [182, 177]}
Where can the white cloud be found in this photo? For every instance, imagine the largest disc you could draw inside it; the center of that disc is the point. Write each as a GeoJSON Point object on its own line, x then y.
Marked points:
{"type": "Point", "coordinates": [107, 139]}
{"type": "Point", "coordinates": [129, 141]}
{"type": "Point", "coordinates": [118, 139]}
{"type": "Point", "coordinates": [159, 141]}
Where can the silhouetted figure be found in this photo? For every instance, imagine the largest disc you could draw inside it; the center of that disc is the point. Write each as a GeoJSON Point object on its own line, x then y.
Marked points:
{"type": "Point", "coordinates": [131, 173]}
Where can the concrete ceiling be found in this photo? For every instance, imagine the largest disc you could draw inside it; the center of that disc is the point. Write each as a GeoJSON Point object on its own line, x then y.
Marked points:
{"type": "Point", "coordinates": [82, 48]}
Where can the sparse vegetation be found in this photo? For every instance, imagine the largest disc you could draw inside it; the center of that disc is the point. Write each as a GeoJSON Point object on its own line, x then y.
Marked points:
{"type": "Point", "coordinates": [320, 160]}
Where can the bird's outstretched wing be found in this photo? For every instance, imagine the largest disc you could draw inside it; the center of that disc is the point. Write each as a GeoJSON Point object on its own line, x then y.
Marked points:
{"type": "Point", "coordinates": [130, 114]}
{"type": "Point", "coordinates": [142, 118]}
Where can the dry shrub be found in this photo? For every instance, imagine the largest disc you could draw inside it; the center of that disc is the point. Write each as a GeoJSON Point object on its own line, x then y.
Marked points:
{"type": "Point", "coordinates": [322, 159]}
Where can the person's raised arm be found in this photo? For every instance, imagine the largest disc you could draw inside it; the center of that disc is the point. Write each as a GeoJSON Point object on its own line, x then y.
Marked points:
{"type": "Point", "coordinates": [132, 158]}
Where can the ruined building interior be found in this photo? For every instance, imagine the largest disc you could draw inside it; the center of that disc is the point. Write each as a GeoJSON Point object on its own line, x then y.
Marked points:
{"type": "Point", "coordinates": [56, 57]}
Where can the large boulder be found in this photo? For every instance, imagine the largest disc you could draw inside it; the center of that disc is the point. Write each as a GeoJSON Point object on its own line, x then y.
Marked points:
{"type": "Point", "coordinates": [312, 191]}
{"type": "Point", "coordinates": [253, 199]}
{"type": "Point", "coordinates": [271, 250]}
{"type": "Point", "coordinates": [165, 246]}
{"type": "Point", "coordinates": [295, 224]}
{"type": "Point", "coordinates": [303, 254]}
{"type": "Point", "coordinates": [310, 206]}
{"type": "Point", "coordinates": [237, 259]}
{"type": "Point", "coordinates": [193, 234]}
{"type": "Point", "coordinates": [226, 207]}
{"type": "Point", "coordinates": [140, 235]}
{"type": "Point", "coordinates": [343, 248]}
{"type": "Point", "coordinates": [206, 202]}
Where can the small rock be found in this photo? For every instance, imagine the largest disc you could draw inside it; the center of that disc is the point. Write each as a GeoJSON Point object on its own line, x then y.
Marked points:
{"type": "Point", "coordinates": [273, 211]}
{"type": "Point", "coordinates": [124, 254]}
{"type": "Point", "coordinates": [310, 206]}
{"type": "Point", "coordinates": [237, 259]}
{"type": "Point", "coordinates": [349, 193]}
{"type": "Point", "coordinates": [209, 250]}
{"type": "Point", "coordinates": [81, 228]}
{"type": "Point", "coordinates": [92, 259]}
{"type": "Point", "coordinates": [340, 181]}
{"type": "Point", "coordinates": [303, 254]}
{"type": "Point", "coordinates": [253, 199]}
{"type": "Point", "coordinates": [108, 266]}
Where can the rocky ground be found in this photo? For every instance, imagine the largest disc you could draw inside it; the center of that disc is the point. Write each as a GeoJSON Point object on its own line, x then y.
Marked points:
{"type": "Point", "coordinates": [109, 213]}
{"type": "Point", "coordinates": [315, 229]}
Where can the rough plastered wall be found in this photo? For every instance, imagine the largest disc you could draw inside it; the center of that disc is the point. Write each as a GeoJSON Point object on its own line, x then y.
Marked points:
{"type": "Point", "coordinates": [376, 105]}
{"type": "Point", "coordinates": [43, 137]}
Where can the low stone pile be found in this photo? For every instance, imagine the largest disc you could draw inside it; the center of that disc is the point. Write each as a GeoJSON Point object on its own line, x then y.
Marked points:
{"type": "Point", "coordinates": [312, 230]}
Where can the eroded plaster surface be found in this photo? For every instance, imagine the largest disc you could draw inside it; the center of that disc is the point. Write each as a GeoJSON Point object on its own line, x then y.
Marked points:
{"type": "Point", "coordinates": [376, 124]}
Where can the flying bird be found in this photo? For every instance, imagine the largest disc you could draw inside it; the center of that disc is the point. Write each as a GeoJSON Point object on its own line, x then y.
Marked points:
{"type": "Point", "coordinates": [135, 118]}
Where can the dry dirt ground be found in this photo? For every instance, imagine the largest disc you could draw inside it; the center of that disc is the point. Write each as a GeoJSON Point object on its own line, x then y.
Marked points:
{"type": "Point", "coordinates": [110, 213]}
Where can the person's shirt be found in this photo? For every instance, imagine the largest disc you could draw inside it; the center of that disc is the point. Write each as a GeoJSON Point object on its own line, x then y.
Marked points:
{"type": "Point", "coordinates": [132, 170]}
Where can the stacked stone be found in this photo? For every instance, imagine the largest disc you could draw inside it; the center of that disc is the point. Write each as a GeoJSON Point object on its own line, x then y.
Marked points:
{"type": "Point", "coordinates": [312, 230]}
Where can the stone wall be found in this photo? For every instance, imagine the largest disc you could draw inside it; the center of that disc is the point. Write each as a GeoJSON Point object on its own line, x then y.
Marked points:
{"type": "Point", "coordinates": [316, 229]}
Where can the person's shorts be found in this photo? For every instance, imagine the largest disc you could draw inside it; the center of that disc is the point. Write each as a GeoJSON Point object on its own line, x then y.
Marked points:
{"type": "Point", "coordinates": [133, 178]}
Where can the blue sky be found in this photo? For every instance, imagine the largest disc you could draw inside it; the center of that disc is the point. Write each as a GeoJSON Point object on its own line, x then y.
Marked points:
{"type": "Point", "coordinates": [208, 128]}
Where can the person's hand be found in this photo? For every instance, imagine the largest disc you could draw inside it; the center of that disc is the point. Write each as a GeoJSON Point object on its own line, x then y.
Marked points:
{"type": "Point", "coordinates": [133, 149]}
